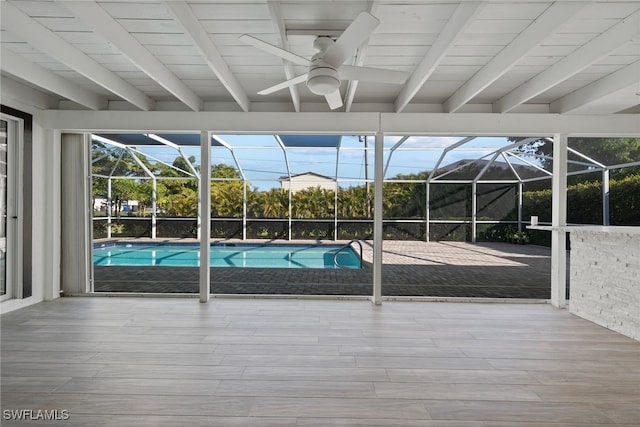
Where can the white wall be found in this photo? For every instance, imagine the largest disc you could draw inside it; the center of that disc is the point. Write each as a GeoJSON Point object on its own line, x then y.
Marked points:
{"type": "Point", "coordinates": [304, 182]}
{"type": "Point", "coordinates": [45, 211]}
{"type": "Point", "coordinates": [605, 277]}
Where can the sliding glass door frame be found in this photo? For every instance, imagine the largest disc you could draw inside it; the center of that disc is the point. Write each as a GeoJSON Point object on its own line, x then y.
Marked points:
{"type": "Point", "coordinates": [11, 207]}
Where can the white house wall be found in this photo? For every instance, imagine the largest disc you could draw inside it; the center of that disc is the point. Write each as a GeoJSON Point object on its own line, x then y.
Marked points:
{"type": "Point", "coordinates": [45, 231]}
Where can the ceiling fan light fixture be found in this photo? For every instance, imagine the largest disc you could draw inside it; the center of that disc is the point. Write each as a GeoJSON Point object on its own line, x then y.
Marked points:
{"type": "Point", "coordinates": [323, 80]}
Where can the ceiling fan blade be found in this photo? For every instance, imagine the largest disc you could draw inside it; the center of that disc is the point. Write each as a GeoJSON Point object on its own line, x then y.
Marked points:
{"type": "Point", "coordinates": [351, 39]}
{"type": "Point", "coordinates": [334, 99]}
{"type": "Point", "coordinates": [294, 81]}
{"type": "Point", "coordinates": [368, 74]}
{"type": "Point", "coordinates": [274, 50]}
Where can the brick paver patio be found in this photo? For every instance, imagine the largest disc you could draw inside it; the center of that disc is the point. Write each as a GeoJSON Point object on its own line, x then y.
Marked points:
{"type": "Point", "coordinates": [411, 268]}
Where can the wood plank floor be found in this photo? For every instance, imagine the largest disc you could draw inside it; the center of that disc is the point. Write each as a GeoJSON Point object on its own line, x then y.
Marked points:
{"type": "Point", "coordinates": [294, 362]}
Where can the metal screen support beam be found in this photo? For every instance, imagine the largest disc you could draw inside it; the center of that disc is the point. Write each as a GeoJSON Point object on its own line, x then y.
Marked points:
{"type": "Point", "coordinates": [605, 197]}
{"type": "Point", "coordinates": [244, 209]}
{"type": "Point", "coordinates": [427, 209]}
{"type": "Point", "coordinates": [198, 216]}
{"type": "Point", "coordinates": [559, 221]}
{"type": "Point", "coordinates": [290, 211]}
{"type": "Point", "coordinates": [520, 205]}
{"type": "Point", "coordinates": [205, 214]}
{"type": "Point", "coordinates": [154, 208]}
{"type": "Point", "coordinates": [335, 195]}
{"type": "Point", "coordinates": [109, 207]}
{"type": "Point", "coordinates": [377, 219]}
{"type": "Point", "coordinates": [474, 211]}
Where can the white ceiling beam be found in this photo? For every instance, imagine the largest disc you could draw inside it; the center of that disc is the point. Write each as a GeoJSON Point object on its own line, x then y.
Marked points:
{"type": "Point", "coordinates": [335, 123]}
{"type": "Point", "coordinates": [521, 124]}
{"type": "Point", "coordinates": [32, 32]}
{"type": "Point", "coordinates": [626, 79]}
{"type": "Point", "coordinates": [12, 91]}
{"type": "Point", "coordinates": [457, 24]}
{"type": "Point", "coordinates": [18, 66]}
{"type": "Point", "coordinates": [281, 37]}
{"type": "Point", "coordinates": [358, 61]}
{"type": "Point", "coordinates": [541, 28]}
{"type": "Point", "coordinates": [92, 14]}
{"type": "Point", "coordinates": [352, 85]}
{"type": "Point", "coordinates": [183, 13]}
{"type": "Point", "coordinates": [596, 49]}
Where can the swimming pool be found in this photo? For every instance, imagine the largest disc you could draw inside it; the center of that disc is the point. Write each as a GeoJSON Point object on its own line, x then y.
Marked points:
{"type": "Point", "coordinates": [226, 255]}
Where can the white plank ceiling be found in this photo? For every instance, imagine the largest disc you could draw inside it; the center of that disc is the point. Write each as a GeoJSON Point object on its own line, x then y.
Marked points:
{"type": "Point", "coordinates": [568, 57]}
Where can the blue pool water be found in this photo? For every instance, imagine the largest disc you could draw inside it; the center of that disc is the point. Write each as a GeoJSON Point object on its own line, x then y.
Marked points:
{"type": "Point", "coordinates": [225, 255]}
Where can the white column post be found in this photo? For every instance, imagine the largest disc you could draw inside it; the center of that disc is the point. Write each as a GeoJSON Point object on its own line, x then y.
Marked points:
{"type": "Point", "coordinates": [605, 197]}
{"type": "Point", "coordinates": [428, 210]}
{"type": "Point", "coordinates": [558, 221]}
{"type": "Point", "coordinates": [244, 209]}
{"type": "Point", "coordinates": [520, 205]}
{"type": "Point", "coordinates": [290, 211]}
{"type": "Point", "coordinates": [109, 201]}
{"type": "Point", "coordinates": [53, 196]}
{"type": "Point", "coordinates": [377, 219]}
{"type": "Point", "coordinates": [335, 211]}
{"type": "Point", "coordinates": [474, 211]}
{"type": "Point", "coordinates": [154, 208]}
{"type": "Point", "coordinates": [205, 214]}
{"type": "Point", "coordinates": [199, 217]}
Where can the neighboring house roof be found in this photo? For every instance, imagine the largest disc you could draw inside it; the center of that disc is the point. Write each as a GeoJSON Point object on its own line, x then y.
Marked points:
{"type": "Point", "coordinates": [472, 166]}
{"type": "Point", "coordinates": [298, 175]}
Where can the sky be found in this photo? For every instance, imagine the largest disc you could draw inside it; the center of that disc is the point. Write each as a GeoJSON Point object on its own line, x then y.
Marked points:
{"type": "Point", "coordinates": [263, 161]}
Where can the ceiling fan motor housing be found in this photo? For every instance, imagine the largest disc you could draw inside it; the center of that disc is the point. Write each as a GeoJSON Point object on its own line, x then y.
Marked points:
{"type": "Point", "coordinates": [322, 78]}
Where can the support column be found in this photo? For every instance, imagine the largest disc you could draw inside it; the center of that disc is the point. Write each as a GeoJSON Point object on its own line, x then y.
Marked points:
{"type": "Point", "coordinates": [428, 210]}
{"type": "Point", "coordinates": [53, 194]}
{"type": "Point", "coordinates": [520, 205]}
{"type": "Point", "coordinates": [605, 197]}
{"type": "Point", "coordinates": [205, 214]}
{"type": "Point", "coordinates": [377, 219]}
{"type": "Point", "coordinates": [290, 211]}
{"type": "Point", "coordinates": [558, 221]}
{"type": "Point", "coordinates": [154, 208]}
{"type": "Point", "coordinates": [109, 207]}
{"type": "Point", "coordinates": [474, 211]}
{"type": "Point", "coordinates": [199, 217]}
{"type": "Point", "coordinates": [244, 209]}
{"type": "Point", "coordinates": [335, 212]}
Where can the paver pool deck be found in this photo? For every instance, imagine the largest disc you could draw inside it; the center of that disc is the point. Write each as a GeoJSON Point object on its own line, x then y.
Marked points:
{"type": "Point", "coordinates": [410, 268]}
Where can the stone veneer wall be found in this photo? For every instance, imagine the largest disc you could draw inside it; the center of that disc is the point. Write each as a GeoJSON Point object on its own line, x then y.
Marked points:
{"type": "Point", "coordinates": [605, 277]}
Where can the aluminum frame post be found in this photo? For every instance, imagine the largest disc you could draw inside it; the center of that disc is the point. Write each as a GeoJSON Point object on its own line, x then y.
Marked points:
{"type": "Point", "coordinates": [154, 208]}
{"type": "Point", "coordinates": [559, 222]}
{"type": "Point", "coordinates": [606, 217]}
{"type": "Point", "coordinates": [109, 207]}
{"type": "Point", "coordinates": [428, 210]}
{"type": "Point", "coordinates": [377, 219]}
{"type": "Point", "coordinates": [520, 205]}
{"type": "Point", "coordinates": [244, 209]}
{"type": "Point", "coordinates": [474, 211]}
{"type": "Point", "coordinates": [205, 214]}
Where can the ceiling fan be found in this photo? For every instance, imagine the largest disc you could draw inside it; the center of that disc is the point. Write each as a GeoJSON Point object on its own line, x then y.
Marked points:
{"type": "Point", "coordinates": [326, 67]}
